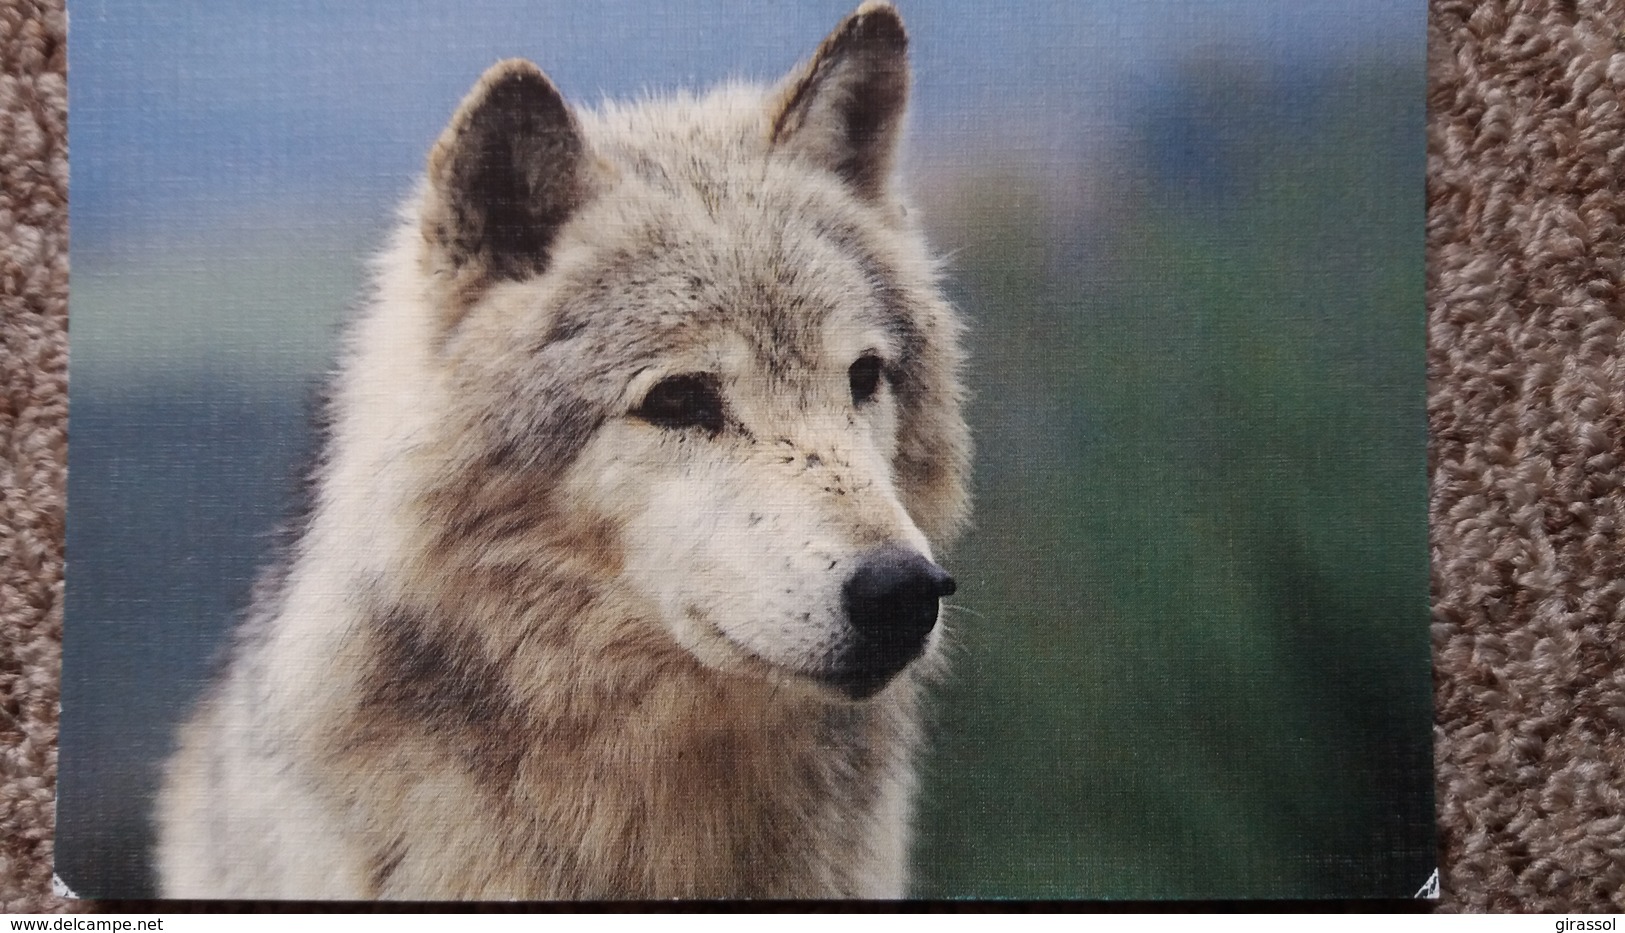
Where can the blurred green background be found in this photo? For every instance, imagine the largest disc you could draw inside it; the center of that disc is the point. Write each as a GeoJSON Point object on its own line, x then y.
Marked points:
{"type": "Point", "coordinates": [1193, 655]}
{"type": "Point", "coordinates": [1190, 652]}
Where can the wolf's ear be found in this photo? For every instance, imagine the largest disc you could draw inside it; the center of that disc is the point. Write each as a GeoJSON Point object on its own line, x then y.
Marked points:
{"type": "Point", "coordinates": [844, 108]}
{"type": "Point", "coordinates": [506, 173]}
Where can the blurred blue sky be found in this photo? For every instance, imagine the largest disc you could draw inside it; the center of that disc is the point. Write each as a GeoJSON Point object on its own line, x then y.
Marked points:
{"type": "Point", "coordinates": [185, 115]}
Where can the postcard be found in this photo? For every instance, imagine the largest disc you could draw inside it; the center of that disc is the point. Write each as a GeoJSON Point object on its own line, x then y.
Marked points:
{"type": "Point", "coordinates": [632, 451]}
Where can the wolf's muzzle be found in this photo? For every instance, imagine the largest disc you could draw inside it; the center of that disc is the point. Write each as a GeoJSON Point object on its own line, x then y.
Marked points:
{"type": "Point", "coordinates": [891, 605]}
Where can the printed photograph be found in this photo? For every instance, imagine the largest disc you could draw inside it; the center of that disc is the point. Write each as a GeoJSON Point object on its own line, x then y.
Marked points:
{"type": "Point", "coordinates": [650, 450]}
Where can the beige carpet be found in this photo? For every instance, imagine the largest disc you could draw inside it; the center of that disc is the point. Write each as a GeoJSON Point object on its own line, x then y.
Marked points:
{"type": "Point", "coordinates": [1526, 236]}
{"type": "Point", "coordinates": [1527, 410]}
{"type": "Point", "coordinates": [33, 436]}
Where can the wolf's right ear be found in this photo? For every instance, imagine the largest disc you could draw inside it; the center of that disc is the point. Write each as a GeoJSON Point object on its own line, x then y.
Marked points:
{"type": "Point", "coordinates": [504, 176]}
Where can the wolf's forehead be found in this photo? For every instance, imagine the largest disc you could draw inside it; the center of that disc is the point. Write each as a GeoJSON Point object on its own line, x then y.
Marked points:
{"type": "Point", "coordinates": [676, 268]}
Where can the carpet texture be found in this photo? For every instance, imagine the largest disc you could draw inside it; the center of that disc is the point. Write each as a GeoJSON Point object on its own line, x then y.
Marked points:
{"type": "Point", "coordinates": [1526, 253]}
{"type": "Point", "coordinates": [33, 436]}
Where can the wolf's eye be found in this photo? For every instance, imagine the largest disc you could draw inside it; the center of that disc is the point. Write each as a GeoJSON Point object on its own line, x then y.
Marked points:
{"type": "Point", "coordinates": [687, 401]}
{"type": "Point", "coordinates": [864, 377]}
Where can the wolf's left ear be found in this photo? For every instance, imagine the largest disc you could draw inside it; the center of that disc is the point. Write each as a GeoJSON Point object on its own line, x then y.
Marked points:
{"type": "Point", "coordinates": [844, 108]}
{"type": "Point", "coordinates": [504, 176]}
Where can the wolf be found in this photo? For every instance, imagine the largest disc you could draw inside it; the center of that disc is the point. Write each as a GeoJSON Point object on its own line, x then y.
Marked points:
{"type": "Point", "coordinates": [618, 580]}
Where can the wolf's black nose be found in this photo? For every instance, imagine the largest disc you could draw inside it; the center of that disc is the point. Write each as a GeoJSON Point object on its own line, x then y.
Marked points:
{"type": "Point", "coordinates": [891, 603]}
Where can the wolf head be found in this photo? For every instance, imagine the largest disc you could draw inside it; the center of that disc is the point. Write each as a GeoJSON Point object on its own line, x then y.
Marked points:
{"type": "Point", "coordinates": [699, 375]}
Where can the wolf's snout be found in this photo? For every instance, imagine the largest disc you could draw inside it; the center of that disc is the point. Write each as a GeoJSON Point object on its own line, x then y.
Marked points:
{"type": "Point", "coordinates": [891, 604]}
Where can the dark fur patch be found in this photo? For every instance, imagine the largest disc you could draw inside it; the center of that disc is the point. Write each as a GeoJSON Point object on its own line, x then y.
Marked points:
{"type": "Point", "coordinates": [542, 440]}
{"type": "Point", "coordinates": [385, 864]}
{"type": "Point", "coordinates": [897, 315]}
{"type": "Point", "coordinates": [424, 678]}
